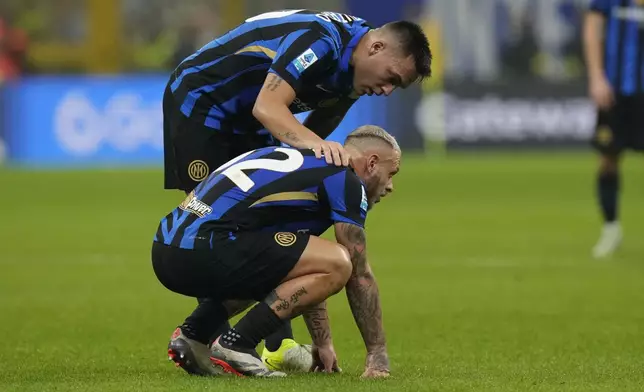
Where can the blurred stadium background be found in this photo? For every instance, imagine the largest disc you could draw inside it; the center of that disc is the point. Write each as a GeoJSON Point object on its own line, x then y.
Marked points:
{"type": "Point", "coordinates": [483, 252]}
{"type": "Point", "coordinates": [506, 72]}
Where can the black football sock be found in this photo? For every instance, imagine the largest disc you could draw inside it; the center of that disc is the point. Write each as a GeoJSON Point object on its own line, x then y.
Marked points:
{"type": "Point", "coordinates": [607, 192]}
{"type": "Point", "coordinates": [208, 317]}
{"type": "Point", "coordinates": [220, 331]}
{"type": "Point", "coordinates": [258, 323]}
{"type": "Point", "coordinates": [274, 341]}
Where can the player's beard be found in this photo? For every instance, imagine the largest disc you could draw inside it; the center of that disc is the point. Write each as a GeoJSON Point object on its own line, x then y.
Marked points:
{"type": "Point", "coordinates": [372, 191]}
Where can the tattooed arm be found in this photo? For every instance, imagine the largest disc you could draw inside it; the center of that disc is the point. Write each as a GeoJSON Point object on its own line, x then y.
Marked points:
{"type": "Point", "coordinates": [317, 321]}
{"type": "Point", "coordinates": [272, 110]}
{"type": "Point", "coordinates": [324, 357]}
{"type": "Point", "coordinates": [364, 299]}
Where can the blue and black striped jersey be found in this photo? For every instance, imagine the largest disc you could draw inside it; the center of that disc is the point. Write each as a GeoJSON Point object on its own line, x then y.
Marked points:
{"type": "Point", "coordinates": [624, 44]}
{"type": "Point", "coordinates": [218, 85]}
{"type": "Point", "coordinates": [272, 188]}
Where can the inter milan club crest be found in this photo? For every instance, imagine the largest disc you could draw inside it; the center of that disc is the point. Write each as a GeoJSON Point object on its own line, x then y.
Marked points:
{"type": "Point", "coordinates": [198, 170]}
{"type": "Point", "coordinates": [285, 238]}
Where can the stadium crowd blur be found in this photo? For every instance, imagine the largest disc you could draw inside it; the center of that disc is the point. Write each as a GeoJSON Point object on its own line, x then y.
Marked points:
{"type": "Point", "coordinates": [480, 39]}
{"type": "Point", "coordinates": [13, 47]}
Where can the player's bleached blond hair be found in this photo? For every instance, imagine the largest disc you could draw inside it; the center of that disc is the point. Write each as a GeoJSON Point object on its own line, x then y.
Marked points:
{"type": "Point", "coordinates": [372, 132]}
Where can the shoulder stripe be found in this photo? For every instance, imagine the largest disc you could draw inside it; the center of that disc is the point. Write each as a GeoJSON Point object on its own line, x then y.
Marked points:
{"type": "Point", "coordinates": [258, 49]}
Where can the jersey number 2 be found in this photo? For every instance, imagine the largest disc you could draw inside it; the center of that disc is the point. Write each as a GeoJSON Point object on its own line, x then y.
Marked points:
{"type": "Point", "coordinates": [234, 169]}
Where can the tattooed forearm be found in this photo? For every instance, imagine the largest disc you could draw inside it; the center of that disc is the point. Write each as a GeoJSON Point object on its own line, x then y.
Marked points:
{"type": "Point", "coordinates": [362, 289]}
{"type": "Point", "coordinates": [274, 82]}
{"type": "Point", "coordinates": [354, 239]}
{"type": "Point", "coordinates": [364, 301]}
{"type": "Point", "coordinates": [317, 322]}
{"type": "Point", "coordinates": [288, 137]}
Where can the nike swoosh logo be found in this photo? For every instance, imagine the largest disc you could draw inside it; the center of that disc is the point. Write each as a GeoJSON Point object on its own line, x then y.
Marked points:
{"type": "Point", "coordinates": [272, 365]}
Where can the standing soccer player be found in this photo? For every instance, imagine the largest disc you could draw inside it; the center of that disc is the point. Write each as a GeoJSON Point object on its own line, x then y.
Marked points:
{"type": "Point", "coordinates": [239, 93]}
{"type": "Point", "coordinates": [614, 48]}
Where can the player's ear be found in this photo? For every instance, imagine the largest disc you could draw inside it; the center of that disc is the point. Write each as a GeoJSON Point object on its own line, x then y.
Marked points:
{"type": "Point", "coordinates": [372, 163]}
{"type": "Point", "coordinates": [376, 47]}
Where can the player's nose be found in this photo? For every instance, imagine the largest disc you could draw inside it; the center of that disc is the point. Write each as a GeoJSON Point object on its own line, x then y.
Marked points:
{"type": "Point", "coordinates": [389, 187]}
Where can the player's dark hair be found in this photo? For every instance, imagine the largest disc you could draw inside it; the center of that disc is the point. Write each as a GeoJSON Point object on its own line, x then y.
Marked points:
{"type": "Point", "coordinates": [413, 41]}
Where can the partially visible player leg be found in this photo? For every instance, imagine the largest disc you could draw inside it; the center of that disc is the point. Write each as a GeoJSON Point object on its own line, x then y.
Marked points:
{"type": "Point", "coordinates": [233, 308]}
{"type": "Point", "coordinates": [274, 341]}
{"type": "Point", "coordinates": [188, 348]}
{"type": "Point", "coordinates": [628, 132]}
{"type": "Point", "coordinates": [608, 196]}
{"type": "Point", "coordinates": [610, 138]}
{"type": "Point", "coordinates": [209, 316]}
{"type": "Point", "coordinates": [321, 271]}
{"type": "Point", "coordinates": [182, 272]}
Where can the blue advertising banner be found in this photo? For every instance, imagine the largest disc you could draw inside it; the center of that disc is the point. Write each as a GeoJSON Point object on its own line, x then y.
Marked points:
{"type": "Point", "coordinates": [79, 121]}
{"type": "Point", "coordinates": [108, 120]}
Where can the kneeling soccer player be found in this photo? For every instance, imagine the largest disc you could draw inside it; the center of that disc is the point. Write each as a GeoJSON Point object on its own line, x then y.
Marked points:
{"type": "Point", "coordinates": [250, 232]}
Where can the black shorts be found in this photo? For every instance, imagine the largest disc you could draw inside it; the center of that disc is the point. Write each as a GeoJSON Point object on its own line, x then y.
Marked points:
{"type": "Point", "coordinates": [246, 265]}
{"type": "Point", "coordinates": [621, 127]}
{"type": "Point", "coordinates": [192, 150]}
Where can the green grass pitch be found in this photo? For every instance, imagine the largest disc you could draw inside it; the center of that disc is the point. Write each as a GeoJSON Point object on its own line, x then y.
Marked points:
{"type": "Point", "coordinates": [482, 259]}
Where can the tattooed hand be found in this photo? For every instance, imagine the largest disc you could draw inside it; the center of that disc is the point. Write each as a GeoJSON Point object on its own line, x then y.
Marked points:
{"type": "Point", "coordinates": [377, 364]}
{"type": "Point", "coordinates": [325, 360]}
{"type": "Point", "coordinates": [372, 373]}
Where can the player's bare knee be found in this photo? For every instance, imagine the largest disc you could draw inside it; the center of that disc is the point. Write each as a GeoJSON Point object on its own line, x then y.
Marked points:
{"type": "Point", "coordinates": [342, 269]}
{"type": "Point", "coordinates": [346, 266]}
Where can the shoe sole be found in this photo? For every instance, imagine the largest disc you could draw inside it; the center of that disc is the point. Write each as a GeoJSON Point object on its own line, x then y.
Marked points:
{"type": "Point", "coordinates": [230, 370]}
{"type": "Point", "coordinates": [180, 353]}
{"type": "Point", "coordinates": [226, 367]}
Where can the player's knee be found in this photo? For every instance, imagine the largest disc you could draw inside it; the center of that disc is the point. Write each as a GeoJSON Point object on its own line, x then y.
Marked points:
{"type": "Point", "coordinates": [347, 265]}
{"type": "Point", "coordinates": [341, 269]}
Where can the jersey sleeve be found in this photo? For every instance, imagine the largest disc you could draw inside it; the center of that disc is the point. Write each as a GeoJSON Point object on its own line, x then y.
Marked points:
{"type": "Point", "coordinates": [347, 198]}
{"type": "Point", "coordinates": [305, 53]}
{"type": "Point", "coordinates": [601, 6]}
